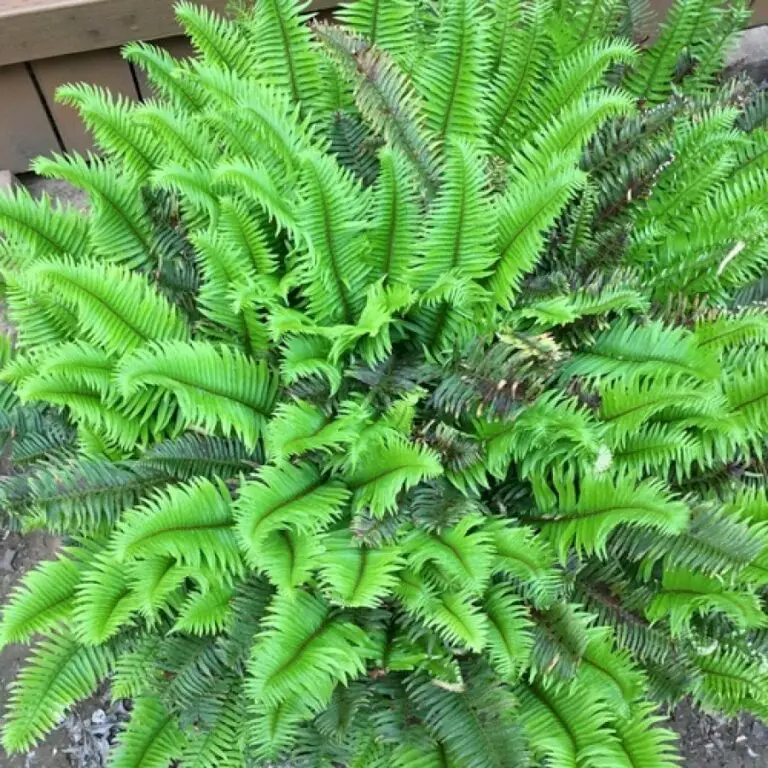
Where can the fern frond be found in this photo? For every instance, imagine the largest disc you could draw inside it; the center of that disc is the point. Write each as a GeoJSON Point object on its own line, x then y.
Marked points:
{"type": "Point", "coordinates": [475, 726]}
{"type": "Point", "coordinates": [112, 122]}
{"type": "Point", "coordinates": [219, 42]}
{"type": "Point", "coordinates": [529, 559]}
{"type": "Point", "coordinates": [152, 738]}
{"type": "Point", "coordinates": [330, 219]}
{"type": "Point", "coordinates": [686, 593]}
{"type": "Point", "coordinates": [585, 518]}
{"type": "Point", "coordinates": [566, 725]}
{"type": "Point", "coordinates": [259, 185]}
{"type": "Point", "coordinates": [284, 49]}
{"type": "Point", "coordinates": [215, 386]}
{"type": "Point", "coordinates": [206, 613]}
{"type": "Point", "coordinates": [59, 673]}
{"type": "Point", "coordinates": [387, 24]}
{"type": "Point", "coordinates": [633, 349]}
{"type": "Point", "coordinates": [40, 601]}
{"type": "Point", "coordinates": [462, 554]}
{"type": "Point", "coordinates": [451, 79]}
{"type": "Point", "coordinates": [192, 524]}
{"type": "Point", "coordinates": [730, 680]}
{"type": "Point", "coordinates": [509, 631]}
{"type": "Point", "coordinates": [103, 602]}
{"type": "Point", "coordinates": [90, 495]}
{"type": "Point", "coordinates": [397, 215]}
{"type": "Point", "coordinates": [456, 616]}
{"type": "Point", "coordinates": [294, 497]}
{"type": "Point", "coordinates": [357, 576]}
{"type": "Point", "coordinates": [42, 226]}
{"type": "Point", "coordinates": [521, 67]}
{"type": "Point", "coordinates": [529, 207]}
{"type": "Point", "coordinates": [652, 79]}
{"type": "Point", "coordinates": [644, 740]}
{"type": "Point", "coordinates": [193, 455]}
{"type": "Point", "coordinates": [385, 470]}
{"type": "Point", "coordinates": [117, 309]}
{"type": "Point", "coordinates": [185, 141]}
{"type": "Point", "coordinates": [305, 651]}
{"type": "Point", "coordinates": [162, 70]}
{"type": "Point", "coordinates": [386, 99]}
{"type": "Point", "coordinates": [120, 230]}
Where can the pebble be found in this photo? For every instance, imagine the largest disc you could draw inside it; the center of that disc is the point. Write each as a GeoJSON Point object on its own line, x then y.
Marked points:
{"type": "Point", "coordinates": [6, 564]}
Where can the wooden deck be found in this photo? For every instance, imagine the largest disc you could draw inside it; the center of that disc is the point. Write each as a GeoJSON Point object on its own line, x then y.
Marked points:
{"type": "Point", "coordinates": [45, 43]}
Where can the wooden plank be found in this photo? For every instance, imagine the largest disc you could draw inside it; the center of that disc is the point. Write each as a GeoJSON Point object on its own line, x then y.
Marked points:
{"type": "Point", "coordinates": [38, 29]}
{"type": "Point", "coordinates": [25, 129]}
{"type": "Point", "coordinates": [105, 68]}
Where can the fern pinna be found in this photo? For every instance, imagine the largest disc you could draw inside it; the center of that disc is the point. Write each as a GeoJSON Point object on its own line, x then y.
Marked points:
{"type": "Point", "coordinates": [402, 396]}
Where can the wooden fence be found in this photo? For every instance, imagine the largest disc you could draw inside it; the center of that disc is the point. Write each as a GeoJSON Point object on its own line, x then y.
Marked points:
{"type": "Point", "coordinates": [45, 43]}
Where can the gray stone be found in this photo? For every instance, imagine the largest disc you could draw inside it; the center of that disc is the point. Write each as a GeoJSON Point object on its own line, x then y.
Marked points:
{"type": "Point", "coordinates": [751, 54]}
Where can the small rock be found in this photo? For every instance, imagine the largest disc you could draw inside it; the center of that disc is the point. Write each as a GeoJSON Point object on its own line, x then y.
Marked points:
{"type": "Point", "coordinates": [6, 564]}
{"type": "Point", "coordinates": [98, 716]}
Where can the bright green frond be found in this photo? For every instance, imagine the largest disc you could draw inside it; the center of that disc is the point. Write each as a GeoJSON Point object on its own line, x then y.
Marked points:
{"type": "Point", "coordinates": [219, 42]}
{"type": "Point", "coordinates": [284, 49]}
{"type": "Point", "coordinates": [335, 273]}
{"type": "Point", "coordinates": [388, 468]}
{"type": "Point", "coordinates": [306, 650]}
{"type": "Point", "coordinates": [463, 554]}
{"type": "Point", "coordinates": [354, 575]}
{"type": "Point", "coordinates": [528, 208]}
{"type": "Point", "coordinates": [191, 523]}
{"type": "Point", "coordinates": [59, 673]}
{"type": "Point", "coordinates": [685, 594]}
{"type": "Point", "coordinates": [529, 558]}
{"type": "Point", "coordinates": [570, 726]}
{"type": "Point", "coordinates": [42, 226]}
{"type": "Point", "coordinates": [456, 616]}
{"type": "Point", "coordinates": [117, 309]}
{"type": "Point", "coordinates": [298, 428]}
{"type": "Point", "coordinates": [509, 631]}
{"type": "Point", "coordinates": [645, 742]}
{"type": "Point", "coordinates": [206, 613]}
{"type": "Point", "coordinates": [120, 230]}
{"type": "Point", "coordinates": [40, 601]}
{"type": "Point", "coordinates": [162, 70]}
{"type": "Point", "coordinates": [103, 602]}
{"type": "Point", "coordinates": [112, 122]}
{"type": "Point", "coordinates": [388, 24]}
{"type": "Point", "coordinates": [295, 497]}
{"type": "Point", "coordinates": [586, 517]}
{"type": "Point", "coordinates": [652, 349]}
{"type": "Point", "coordinates": [452, 77]}
{"type": "Point", "coordinates": [152, 738]}
{"type": "Point", "coordinates": [395, 232]}
{"type": "Point", "coordinates": [215, 386]}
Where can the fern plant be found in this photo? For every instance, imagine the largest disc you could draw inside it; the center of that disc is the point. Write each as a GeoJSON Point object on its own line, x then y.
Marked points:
{"type": "Point", "coordinates": [402, 396]}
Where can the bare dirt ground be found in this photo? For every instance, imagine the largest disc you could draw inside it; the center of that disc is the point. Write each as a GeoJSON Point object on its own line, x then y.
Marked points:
{"type": "Point", "coordinates": [713, 742]}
